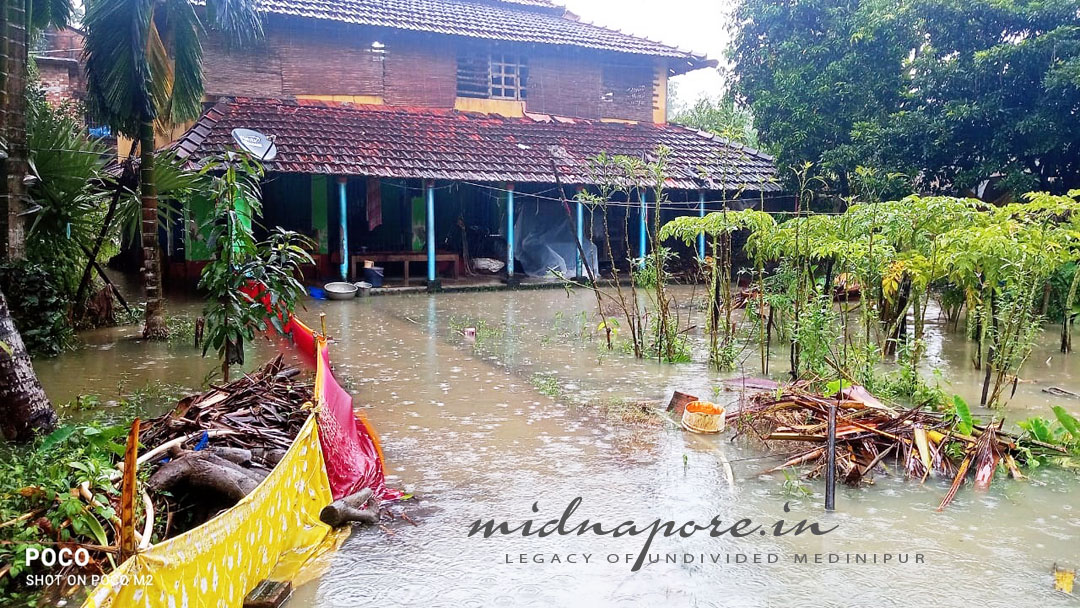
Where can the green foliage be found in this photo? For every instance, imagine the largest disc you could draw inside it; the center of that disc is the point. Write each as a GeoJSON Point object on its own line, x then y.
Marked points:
{"type": "Point", "coordinates": [546, 385]}
{"type": "Point", "coordinates": [964, 422]}
{"type": "Point", "coordinates": [39, 306]}
{"type": "Point", "coordinates": [175, 186]}
{"type": "Point", "coordinates": [274, 265]}
{"type": "Point", "coordinates": [670, 347]}
{"type": "Point", "coordinates": [1063, 432]}
{"type": "Point", "coordinates": [181, 330]}
{"type": "Point", "coordinates": [485, 331]}
{"type": "Point", "coordinates": [812, 70]}
{"type": "Point", "coordinates": [903, 85]}
{"type": "Point", "coordinates": [67, 168]}
{"type": "Point", "coordinates": [722, 116]}
{"type": "Point", "coordinates": [992, 260]}
{"type": "Point", "coordinates": [646, 272]}
{"type": "Point", "coordinates": [794, 487]}
{"type": "Point", "coordinates": [41, 476]}
{"type": "Point", "coordinates": [687, 228]}
{"type": "Point", "coordinates": [815, 335]}
{"type": "Point", "coordinates": [1068, 422]}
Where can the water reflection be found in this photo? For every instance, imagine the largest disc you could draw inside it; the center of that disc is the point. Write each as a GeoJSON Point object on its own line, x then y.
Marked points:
{"type": "Point", "coordinates": [483, 430]}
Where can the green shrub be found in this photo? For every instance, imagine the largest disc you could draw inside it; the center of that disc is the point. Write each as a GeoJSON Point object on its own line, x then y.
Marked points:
{"type": "Point", "coordinates": [39, 307]}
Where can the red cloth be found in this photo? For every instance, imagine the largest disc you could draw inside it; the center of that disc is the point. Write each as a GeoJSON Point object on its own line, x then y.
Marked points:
{"type": "Point", "coordinates": [374, 203]}
{"type": "Point", "coordinates": [349, 449]}
{"type": "Point", "coordinates": [303, 340]}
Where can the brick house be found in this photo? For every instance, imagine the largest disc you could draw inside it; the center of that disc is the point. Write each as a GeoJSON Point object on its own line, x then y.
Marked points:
{"type": "Point", "coordinates": [422, 130]}
{"type": "Point", "coordinates": [58, 57]}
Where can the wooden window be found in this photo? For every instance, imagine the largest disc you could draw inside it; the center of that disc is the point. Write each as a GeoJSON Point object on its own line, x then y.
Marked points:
{"type": "Point", "coordinates": [492, 76]}
{"type": "Point", "coordinates": [473, 79]}
{"type": "Point", "coordinates": [509, 74]}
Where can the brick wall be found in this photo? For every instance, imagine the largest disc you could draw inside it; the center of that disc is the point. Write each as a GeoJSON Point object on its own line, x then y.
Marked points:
{"type": "Point", "coordinates": [325, 62]}
{"type": "Point", "coordinates": [564, 85]}
{"type": "Point", "coordinates": [61, 80]}
{"type": "Point", "coordinates": [627, 91]}
{"type": "Point", "coordinates": [298, 58]}
{"type": "Point", "coordinates": [421, 71]}
{"type": "Point", "coordinates": [252, 71]}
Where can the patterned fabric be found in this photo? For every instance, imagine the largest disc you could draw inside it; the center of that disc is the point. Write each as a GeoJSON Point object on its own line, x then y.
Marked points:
{"type": "Point", "coordinates": [268, 534]}
{"type": "Point", "coordinates": [273, 531]}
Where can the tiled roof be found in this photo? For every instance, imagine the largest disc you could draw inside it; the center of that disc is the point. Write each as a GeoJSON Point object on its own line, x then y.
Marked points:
{"type": "Point", "coordinates": [527, 21]}
{"type": "Point", "coordinates": [397, 142]}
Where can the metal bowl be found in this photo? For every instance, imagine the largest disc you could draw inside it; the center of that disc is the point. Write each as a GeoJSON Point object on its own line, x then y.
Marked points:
{"type": "Point", "coordinates": [340, 291]}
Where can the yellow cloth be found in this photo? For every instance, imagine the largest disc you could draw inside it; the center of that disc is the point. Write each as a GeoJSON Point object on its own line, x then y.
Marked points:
{"type": "Point", "coordinates": [268, 534]}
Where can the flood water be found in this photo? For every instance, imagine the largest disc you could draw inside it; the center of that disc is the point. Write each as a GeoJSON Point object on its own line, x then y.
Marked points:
{"type": "Point", "coordinates": [484, 430]}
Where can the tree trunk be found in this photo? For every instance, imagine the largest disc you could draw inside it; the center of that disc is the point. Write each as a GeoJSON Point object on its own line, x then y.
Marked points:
{"type": "Point", "coordinates": [155, 328]}
{"type": "Point", "coordinates": [13, 58]}
{"type": "Point", "coordinates": [24, 408]}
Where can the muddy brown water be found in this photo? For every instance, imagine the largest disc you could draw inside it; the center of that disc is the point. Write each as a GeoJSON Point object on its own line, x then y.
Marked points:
{"type": "Point", "coordinates": [484, 430]}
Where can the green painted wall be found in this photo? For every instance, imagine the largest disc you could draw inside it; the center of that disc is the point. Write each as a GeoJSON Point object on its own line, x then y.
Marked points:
{"type": "Point", "coordinates": [320, 221]}
{"type": "Point", "coordinates": [199, 210]}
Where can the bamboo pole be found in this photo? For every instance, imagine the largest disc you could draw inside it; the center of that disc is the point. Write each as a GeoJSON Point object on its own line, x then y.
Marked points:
{"type": "Point", "coordinates": [830, 463]}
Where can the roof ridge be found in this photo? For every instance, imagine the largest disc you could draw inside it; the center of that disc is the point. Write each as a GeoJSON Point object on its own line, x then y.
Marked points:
{"type": "Point", "coordinates": [727, 141]}
{"type": "Point", "coordinates": [518, 21]}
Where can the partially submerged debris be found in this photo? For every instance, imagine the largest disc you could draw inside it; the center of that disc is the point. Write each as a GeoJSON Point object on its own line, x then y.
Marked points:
{"type": "Point", "coordinates": [868, 432]}
{"type": "Point", "coordinates": [215, 448]}
{"type": "Point", "coordinates": [356, 507]}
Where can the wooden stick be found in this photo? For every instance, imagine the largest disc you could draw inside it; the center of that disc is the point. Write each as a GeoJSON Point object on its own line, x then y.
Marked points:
{"type": "Point", "coordinates": [830, 462]}
{"type": "Point", "coordinates": [128, 544]}
{"type": "Point", "coordinates": [23, 517]}
{"type": "Point", "coordinates": [105, 277]}
{"type": "Point", "coordinates": [168, 445]}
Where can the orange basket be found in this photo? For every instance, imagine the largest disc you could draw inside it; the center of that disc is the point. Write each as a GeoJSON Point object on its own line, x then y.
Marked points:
{"type": "Point", "coordinates": [703, 417]}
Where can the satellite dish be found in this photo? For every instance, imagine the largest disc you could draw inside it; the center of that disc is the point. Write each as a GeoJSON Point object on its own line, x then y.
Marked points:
{"type": "Point", "coordinates": [255, 143]}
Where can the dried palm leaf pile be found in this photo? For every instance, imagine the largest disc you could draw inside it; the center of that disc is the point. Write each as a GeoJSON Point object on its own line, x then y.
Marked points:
{"type": "Point", "coordinates": [214, 448]}
{"type": "Point", "coordinates": [871, 435]}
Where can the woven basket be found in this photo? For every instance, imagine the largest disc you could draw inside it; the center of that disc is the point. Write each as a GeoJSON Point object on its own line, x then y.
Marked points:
{"type": "Point", "coordinates": [703, 417]}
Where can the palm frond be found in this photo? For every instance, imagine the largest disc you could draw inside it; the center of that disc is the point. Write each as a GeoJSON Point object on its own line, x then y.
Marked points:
{"type": "Point", "coordinates": [186, 50]}
{"type": "Point", "coordinates": [117, 71]}
{"type": "Point", "coordinates": [239, 20]}
{"type": "Point", "coordinates": [161, 73]}
{"type": "Point", "coordinates": [175, 186]}
{"type": "Point", "coordinates": [44, 13]}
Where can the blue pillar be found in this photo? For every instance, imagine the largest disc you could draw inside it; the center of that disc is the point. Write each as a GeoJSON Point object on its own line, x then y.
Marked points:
{"type": "Point", "coordinates": [431, 231]}
{"type": "Point", "coordinates": [509, 230]}
{"type": "Point", "coordinates": [701, 237]}
{"type": "Point", "coordinates": [580, 232]}
{"type": "Point", "coordinates": [643, 219]}
{"type": "Point", "coordinates": [343, 213]}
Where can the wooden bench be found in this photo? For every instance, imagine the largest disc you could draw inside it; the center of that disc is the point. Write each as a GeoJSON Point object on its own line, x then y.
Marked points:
{"type": "Point", "coordinates": [356, 260]}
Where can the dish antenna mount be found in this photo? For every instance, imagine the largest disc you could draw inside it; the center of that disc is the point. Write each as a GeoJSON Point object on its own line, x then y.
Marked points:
{"type": "Point", "coordinates": [256, 144]}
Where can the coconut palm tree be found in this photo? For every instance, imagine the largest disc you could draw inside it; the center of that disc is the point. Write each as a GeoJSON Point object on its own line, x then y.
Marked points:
{"type": "Point", "coordinates": [144, 68]}
{"type": "Point", "coordinates": [24, 408]}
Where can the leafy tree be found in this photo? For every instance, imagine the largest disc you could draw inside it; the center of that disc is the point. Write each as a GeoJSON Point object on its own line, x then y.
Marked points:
{"type": "Point", "coordinates": [240, 265]}
{"type": "Point", "coordinates": [950, 93]}
{"type": "Point", "coordinates": [810, 70]}
{"type": "Point", "coordinates": [721, 116]}
{"type": "Point", "coordinates": [144, 65]}
{"type": "Point", "coordinates": [993, 90]}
